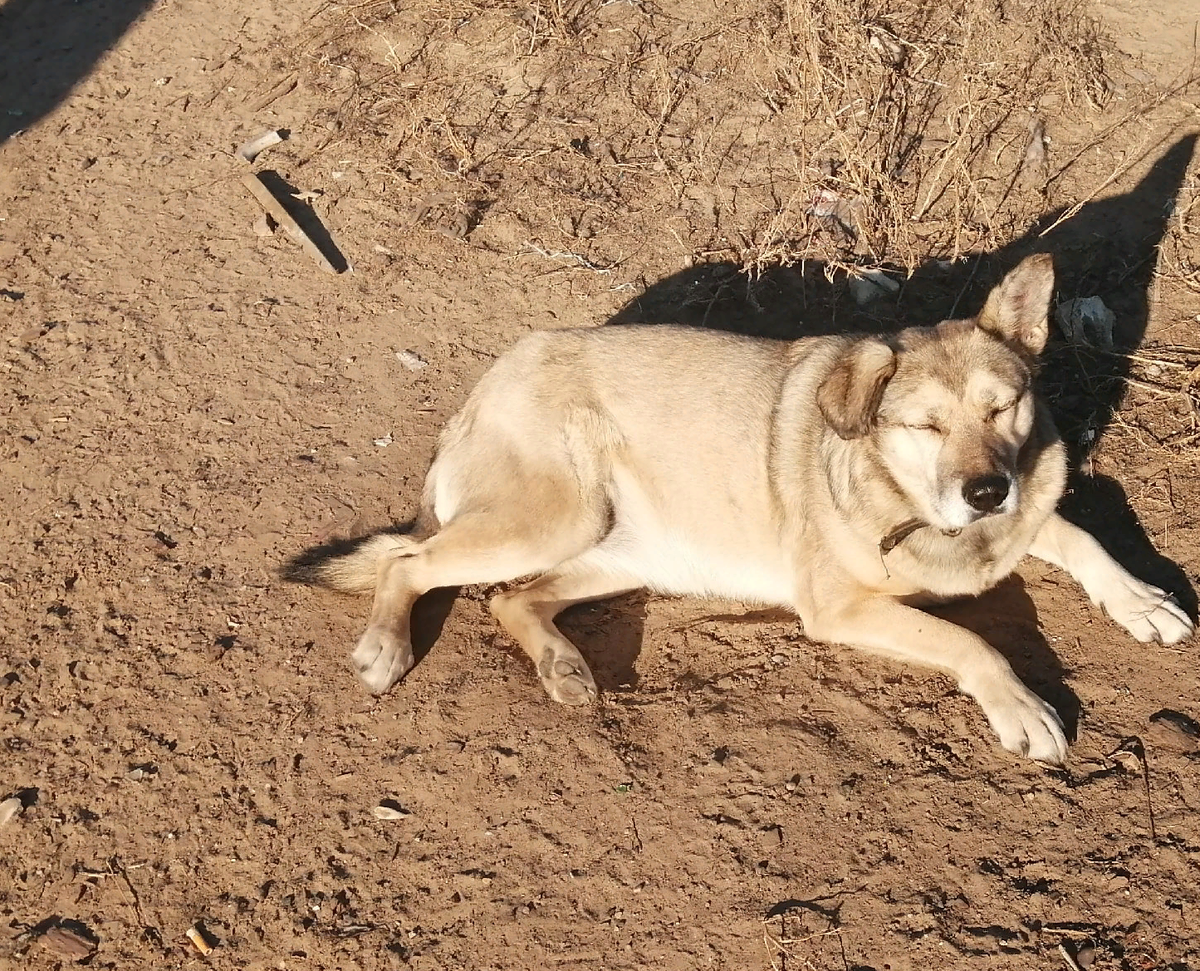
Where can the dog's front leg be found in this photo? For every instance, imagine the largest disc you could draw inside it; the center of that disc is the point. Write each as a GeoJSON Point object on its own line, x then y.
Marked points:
{"type": "Point", "coordinates": [1025, 723]}
{"type": "Point", "coordinates": [1148, 613]}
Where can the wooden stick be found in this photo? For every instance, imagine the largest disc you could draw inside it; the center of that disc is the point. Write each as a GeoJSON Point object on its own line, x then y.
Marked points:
{"type": "Point", "coordinates": [276, 211]}
{"type": "Point", "coordinates": [278, 91]}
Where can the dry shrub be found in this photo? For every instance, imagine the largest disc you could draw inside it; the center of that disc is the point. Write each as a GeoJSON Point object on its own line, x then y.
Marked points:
{"type": "Point", "coordinates": [759, 131]}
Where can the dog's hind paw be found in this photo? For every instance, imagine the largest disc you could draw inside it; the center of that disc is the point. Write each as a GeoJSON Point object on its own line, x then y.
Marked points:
{"type": "Point", "coordinates": [566, 677]}
{"type": "Point", "coordinates": [381, 658]}
{"type": "Point", "coordinates": [1148, 613]}
{"type": "Point", "coordinates": [1025, 723]}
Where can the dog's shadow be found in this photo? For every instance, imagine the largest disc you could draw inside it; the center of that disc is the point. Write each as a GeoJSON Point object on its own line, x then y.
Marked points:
{"type": "Point", "coordinates": [609, 634]}
{"type": "Point", "coordinates": [1108, 248]}
{"type": "Point", "coordinates": [1006, 617]}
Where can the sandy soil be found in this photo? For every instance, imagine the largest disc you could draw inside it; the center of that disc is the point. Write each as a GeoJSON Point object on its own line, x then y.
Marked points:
{"type": "Point", "coordinates": [185, 404]}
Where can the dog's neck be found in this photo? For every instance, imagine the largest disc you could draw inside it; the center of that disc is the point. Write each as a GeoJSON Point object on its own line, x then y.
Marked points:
{"type": "Point", "coordinates": [903, 531]}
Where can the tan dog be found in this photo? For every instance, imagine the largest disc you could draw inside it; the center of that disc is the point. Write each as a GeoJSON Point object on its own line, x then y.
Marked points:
{"type": "Point", "coordinates": [850, 479]}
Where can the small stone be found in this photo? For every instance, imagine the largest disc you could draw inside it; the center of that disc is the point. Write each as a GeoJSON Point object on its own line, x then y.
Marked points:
{"type": "Point", "coordinates": [9, 809]}
{"type": "Point", "coordinates": [772, 837]}
{"type": "Point", "coordinates": [1087, 321]}
{"type": "Point", "coordinates": [871, 284]}
{"type": "Point", "coordinates": [411, 360]}
{"type": "Point", "coordinates": [508, 765]}
{"type": "Point", "coordinates": [137, 773]}
{"type": "Point", "coordinates": [73, 942]}
{"type": "Point", "coordinates": [1175, 729]}
{"type": "Point", "coordinates": [389, 810]}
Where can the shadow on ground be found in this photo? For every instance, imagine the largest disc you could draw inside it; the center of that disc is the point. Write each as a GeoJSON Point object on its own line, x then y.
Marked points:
{"type": "Point", "coordinates": [1006, 617]}
{"type": "Point", "coordinates": [1108, 248]}
{"type": "Point", "coordinates": [49, 46]}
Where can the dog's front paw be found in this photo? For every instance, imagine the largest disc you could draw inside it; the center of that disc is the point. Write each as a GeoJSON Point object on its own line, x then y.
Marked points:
{"type": "Point", "coordinates": [1026, 724]}
{"type": "Point", "coordinates": [1148, 613]}
{"type": "Point", "coordinates": [381, 658]}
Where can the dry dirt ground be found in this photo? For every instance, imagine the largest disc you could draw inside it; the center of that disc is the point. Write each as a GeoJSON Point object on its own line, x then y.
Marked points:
{"type": "Point", "coordinates": [186, 404]}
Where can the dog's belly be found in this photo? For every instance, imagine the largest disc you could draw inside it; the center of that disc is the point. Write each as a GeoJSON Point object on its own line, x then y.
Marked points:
{"type": "Point", "coordinates": [668, 561]}
{"type": "Point", "coordinates": [680, 532]}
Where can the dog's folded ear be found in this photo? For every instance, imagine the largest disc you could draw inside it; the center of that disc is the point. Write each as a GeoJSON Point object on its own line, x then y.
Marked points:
{"type": "Point", "coordinates": [1018, 310]}
{"type": "Point", "coordinates": [850, 394]}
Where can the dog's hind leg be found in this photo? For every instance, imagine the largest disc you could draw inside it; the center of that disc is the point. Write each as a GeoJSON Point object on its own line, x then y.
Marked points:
{"type": "Point", "coordinates": [515, 533]}
{"type": "Point", "coordinates": [528, 613]}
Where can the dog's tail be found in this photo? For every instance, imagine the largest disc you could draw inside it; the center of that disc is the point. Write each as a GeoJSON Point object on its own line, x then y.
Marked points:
{"type": "Point", "coordinates": [348, 565]}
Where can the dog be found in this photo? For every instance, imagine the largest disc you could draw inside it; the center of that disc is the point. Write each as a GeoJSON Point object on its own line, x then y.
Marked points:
{"type": "Point", "coordinates": [852, 479]}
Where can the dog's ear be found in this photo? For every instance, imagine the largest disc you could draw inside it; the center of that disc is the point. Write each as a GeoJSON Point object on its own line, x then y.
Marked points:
{"type": "Point", "coordinates": [850, 394]}
{"type": "Point", "coordinates": [1018, 310]}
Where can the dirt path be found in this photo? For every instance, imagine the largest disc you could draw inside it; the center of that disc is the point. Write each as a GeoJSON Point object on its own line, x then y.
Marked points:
{"type": "Point", "coordinates": [185, 404]}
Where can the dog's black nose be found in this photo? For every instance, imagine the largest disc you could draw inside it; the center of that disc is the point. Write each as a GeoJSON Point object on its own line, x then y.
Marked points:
{"type": "Point", "coordinates": [985, 493]}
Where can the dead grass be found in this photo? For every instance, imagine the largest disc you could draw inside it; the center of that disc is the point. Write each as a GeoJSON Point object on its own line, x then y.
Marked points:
{"type": "Point", "coordinates": [849, 131]}
{"type": "Point", "coordinates": [622, 140]}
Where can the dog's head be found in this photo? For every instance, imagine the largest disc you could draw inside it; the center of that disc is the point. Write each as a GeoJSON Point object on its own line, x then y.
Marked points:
{"type": "Point", "coordinates": [950, 407]}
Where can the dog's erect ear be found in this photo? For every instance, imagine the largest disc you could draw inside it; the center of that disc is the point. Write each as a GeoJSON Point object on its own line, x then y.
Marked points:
{"type": "Point", "coordinates": [850, 394]}
{"type": "Point", "coordinates": [1018, 310]}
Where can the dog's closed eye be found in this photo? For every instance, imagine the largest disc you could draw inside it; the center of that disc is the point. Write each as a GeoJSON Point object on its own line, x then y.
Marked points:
{"type": "Point", "coordinates": [997, 410]}
{"type": "Point", "coordinates": [928, 425]}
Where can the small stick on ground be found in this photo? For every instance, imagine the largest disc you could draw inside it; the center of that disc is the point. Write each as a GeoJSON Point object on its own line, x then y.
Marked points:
{"type": "Point", "coordinates": [1133, 746]}
{"type": "Point", "coordinates": [286, 86]}
{"type": "Point", "coordinates": [275, 209]}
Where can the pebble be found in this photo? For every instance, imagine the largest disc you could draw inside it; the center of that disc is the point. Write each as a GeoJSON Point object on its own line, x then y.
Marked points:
{"type": "Point", "coordinates": [1175, 729]}
{"type": "Point", "coordinates": [9, 809]}
{"type": "Point", "coordinates": [389, 810]}
{"type": "Point", "coordinates": [67, 942]}
{"type": "Point", "coordinates": [138, 772]}
{"type": "Point", "coordinates": [871, 284]}
{"type": "Point", "coordinates": [411, 360]}
{"type": "Point", "coordinates": [508, 766]}
{"type": "Point", "coordinates": [263, 226]}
